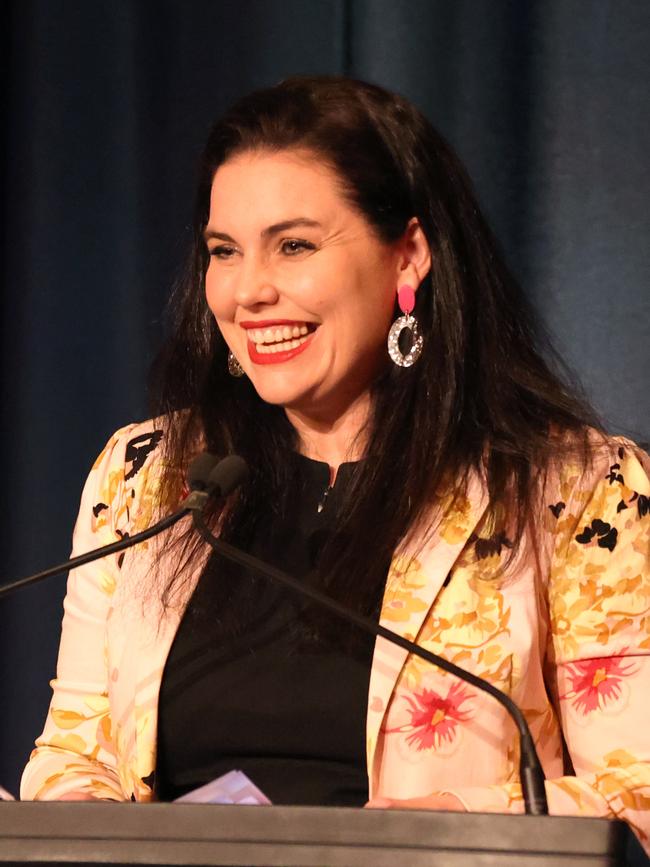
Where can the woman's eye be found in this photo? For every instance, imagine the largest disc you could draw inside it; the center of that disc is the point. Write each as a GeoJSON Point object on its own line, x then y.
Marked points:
{"type": "Point", "coordinates": [293, 247]}
{"type": "Point", "coordinates": [223, 251]}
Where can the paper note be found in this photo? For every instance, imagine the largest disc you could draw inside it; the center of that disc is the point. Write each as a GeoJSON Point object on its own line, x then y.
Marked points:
{"type": "Point", "coordinates": [232, 788]}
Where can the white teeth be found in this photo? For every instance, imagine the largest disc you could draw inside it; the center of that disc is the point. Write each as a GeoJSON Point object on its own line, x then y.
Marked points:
{"type": "Point", "coordinates": [284, 346]}
{"type": "Point", "coordinates": [277, 336]}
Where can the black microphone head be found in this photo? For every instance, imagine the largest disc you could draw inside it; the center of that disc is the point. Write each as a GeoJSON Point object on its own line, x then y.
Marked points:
{"type": "Point", "coordinates": [217, 477]}
{"type": "Point", "coordinates": [200, 469]}
{"type": "Point", "coordinates": [227, 476]}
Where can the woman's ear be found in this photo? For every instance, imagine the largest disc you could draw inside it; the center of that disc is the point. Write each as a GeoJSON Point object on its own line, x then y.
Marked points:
{"type": "Point", "coordinates": [415, 255]}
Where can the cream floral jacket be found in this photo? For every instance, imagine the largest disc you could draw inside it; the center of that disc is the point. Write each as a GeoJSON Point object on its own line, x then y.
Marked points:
{"type": "Point", "coordinates": [565, 632]}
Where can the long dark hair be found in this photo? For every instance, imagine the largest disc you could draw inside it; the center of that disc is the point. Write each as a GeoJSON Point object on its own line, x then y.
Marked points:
{"type": "Point", "coordinates": [485, 394]}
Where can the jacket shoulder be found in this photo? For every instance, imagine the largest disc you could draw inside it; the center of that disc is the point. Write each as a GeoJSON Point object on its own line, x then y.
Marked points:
{"type": "Point", "coordinates": [124, 483]}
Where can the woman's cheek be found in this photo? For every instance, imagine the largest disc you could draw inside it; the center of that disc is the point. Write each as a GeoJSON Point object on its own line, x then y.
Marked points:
{"type": "Point", "coordinates": [218, 298]}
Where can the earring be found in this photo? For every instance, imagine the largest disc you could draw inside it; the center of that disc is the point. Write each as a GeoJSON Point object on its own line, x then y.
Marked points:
{"type": "Point", "coordinates": [234, 367]}
{"type": "Point", "coordinates": [406, 301]}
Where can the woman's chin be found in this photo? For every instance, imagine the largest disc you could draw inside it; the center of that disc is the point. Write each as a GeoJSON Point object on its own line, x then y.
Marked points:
{"type": "Point", "coordinates": [278, 394]}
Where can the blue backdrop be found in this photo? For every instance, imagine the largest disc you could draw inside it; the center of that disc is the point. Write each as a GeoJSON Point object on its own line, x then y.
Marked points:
{"type": "Point", "coordinates": [107, 107]}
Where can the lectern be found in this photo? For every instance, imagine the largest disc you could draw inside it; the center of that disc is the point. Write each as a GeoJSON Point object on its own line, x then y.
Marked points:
{"type": "Point", "coordinates": [85, 833]}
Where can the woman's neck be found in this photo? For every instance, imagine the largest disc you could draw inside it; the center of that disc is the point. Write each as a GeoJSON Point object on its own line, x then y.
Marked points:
{"type": "Point", "coordinates": [333, 441]}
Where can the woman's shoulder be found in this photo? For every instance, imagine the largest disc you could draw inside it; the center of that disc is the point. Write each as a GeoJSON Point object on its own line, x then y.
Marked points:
{"type": "Point", "coordinates": [126, 479]}
{"type": "Point", "coordinates": [599, 490]}
{"type": "Point", "coordinates": [130, 449]}
{"type": "Point", "coordinates": [593, 459]}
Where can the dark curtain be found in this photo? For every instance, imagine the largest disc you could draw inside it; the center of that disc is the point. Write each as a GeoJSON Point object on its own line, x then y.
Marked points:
{"type": "Point", "coordinates": [106, 107]}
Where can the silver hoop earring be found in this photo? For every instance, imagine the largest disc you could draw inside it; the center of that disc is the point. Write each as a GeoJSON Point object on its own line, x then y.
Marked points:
{"type": "Point", "coordinates": [234, 367]}
{"type": "Point", "coordinates": [406, 301]}
{"type": "Point", "coordinates": [405, 323]}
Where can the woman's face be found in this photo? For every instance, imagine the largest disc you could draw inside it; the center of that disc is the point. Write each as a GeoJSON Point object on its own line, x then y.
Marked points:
{"type": "Point", "coordinates": [300, 287]}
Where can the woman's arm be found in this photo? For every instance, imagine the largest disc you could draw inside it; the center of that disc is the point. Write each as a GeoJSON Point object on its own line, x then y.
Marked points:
{"type": "Point", "coordinates": [75, 755]}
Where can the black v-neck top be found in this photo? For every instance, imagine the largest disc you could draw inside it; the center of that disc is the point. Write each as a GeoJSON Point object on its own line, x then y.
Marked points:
{"type": "Point", "coordinates": [268, 697]}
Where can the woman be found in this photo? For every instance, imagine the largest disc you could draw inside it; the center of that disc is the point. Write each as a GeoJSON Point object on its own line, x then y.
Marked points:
{"type": "Point", "coordinates": [447, 482]}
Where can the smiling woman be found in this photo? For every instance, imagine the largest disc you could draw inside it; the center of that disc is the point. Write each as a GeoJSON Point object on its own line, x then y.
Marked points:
{"type": "Point", "coordinates": [346, 324]}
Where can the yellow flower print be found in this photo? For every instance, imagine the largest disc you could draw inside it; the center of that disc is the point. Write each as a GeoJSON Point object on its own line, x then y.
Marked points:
{"type": "Point", "coordinates": [620, 759]}
{"type": "Point", "coordinates": [107, 583]}
{"type": "Point", "coordinates": [405, 581]}
{"type": "Point", "coordinates": [148, 502]}
{"type": "Point", "coordinates": [48, 783]}
{"type": "Point", "coordinates": [405, 572]}
{"type": "Point", "coordinates": [478, 616]}
{"type": "Point", "coordinates": [108, 496]}
{"type": "Point", "coordinates": [67, 719]}
{"type": "Point", "coordinates": [572, 789]}
{"type": "Point", "coordinates": [100, 789]}
{"type": "Point", "coordinates": [455, 525]}
{"type": "Point", "coordinates": [401, 607]}
{"type": "Point", "coordinates": [72, 743]}
{"type": "Point", "coordinates": [488, 568]}
{"type": "Point", "coordinates": [70, 719]}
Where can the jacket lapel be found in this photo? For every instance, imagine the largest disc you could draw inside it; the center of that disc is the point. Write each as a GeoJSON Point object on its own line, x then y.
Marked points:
{"type": "Point", "coordinates": [147, 634]}
{"type": "Point", "coordinates": [414, 581]}
{"type": "Point", "coordinates": [153, 650]}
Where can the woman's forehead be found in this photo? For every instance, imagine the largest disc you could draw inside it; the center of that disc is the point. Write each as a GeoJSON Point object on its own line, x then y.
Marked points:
{"type": "Point", "coordinates": [273, 187]}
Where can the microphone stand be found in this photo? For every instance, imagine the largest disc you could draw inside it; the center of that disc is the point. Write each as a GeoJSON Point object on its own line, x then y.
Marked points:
{"type": "Point", "coordinates": [209, 476]}
{"type": "Point", "coordinates": [196, 500]}
{"type": "Point", "coordinates": [530, 769]}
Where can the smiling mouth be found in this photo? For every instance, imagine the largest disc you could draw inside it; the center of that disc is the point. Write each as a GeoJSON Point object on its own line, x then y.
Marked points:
{"type": "Point", "coordinates": [280, 338]}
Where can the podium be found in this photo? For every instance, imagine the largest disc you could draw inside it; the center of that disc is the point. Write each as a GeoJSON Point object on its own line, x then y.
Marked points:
{"type": "Point", "coordinates": [83, 833]}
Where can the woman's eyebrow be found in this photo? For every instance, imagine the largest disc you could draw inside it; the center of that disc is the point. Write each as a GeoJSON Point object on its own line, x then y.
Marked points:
{"type": "Point", "coordinates": [276, 228]}
{"type": "Point", "coordinates": [290, 224]}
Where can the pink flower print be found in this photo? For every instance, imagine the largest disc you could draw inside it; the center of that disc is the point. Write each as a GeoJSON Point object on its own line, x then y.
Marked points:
{"type": "Point", "coordinates": [434, 718]}
{"type": "Point", "coordinates": [595, 683]}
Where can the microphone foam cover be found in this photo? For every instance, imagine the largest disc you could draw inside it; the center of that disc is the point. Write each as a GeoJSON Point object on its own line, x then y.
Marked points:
{"type": "Point", "coordinates": [227, 476]}
{"type": "Point", "coordinates": [199, 471]}
{"type": "Point", "coordinates": [218, 478]}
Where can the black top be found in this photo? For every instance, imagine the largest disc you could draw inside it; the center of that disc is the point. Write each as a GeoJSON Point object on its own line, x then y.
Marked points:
{"type": "Point", "coordinates": [250, 685]}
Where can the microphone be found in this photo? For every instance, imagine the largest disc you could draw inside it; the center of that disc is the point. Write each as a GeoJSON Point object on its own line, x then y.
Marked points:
{"type": "Point", "coordinates": [530, 769]}
{"type": "Point", "coordinates": [208, 477]}
{"type": "Point", "coordinates": [215, 478]}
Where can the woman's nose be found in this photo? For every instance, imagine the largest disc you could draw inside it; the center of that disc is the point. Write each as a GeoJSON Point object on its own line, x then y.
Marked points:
{"type": "Point", "coordinates": [255, 285]}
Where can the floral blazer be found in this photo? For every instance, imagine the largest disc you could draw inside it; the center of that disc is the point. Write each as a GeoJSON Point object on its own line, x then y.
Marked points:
{"type": "Point", "coordinates": [565, 631]}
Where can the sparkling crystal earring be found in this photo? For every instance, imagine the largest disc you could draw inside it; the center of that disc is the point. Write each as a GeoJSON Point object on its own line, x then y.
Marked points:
{"type": "Point", "coordinates": [234, 367]}
{"type": "Point", "coordinates": [406, 301]}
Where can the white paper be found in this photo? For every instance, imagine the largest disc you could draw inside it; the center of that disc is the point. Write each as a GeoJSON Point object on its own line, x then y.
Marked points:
{"type": "Point", "coordinates": [232, 788]}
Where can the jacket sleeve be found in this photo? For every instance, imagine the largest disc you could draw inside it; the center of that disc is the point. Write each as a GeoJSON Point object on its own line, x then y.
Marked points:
{"type": "Point", "coordinates": [75, 752]}
{"type": "Point", "coordinates": [599, 647]}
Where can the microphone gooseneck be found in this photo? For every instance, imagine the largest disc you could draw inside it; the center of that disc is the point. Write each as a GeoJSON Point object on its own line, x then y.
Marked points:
{"type": "Point", "coordinates": [530, 769]}
{"type": "Point", "coordinates": [96, 553]}
{"type": "Point", "coordinates": [208, 477]}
